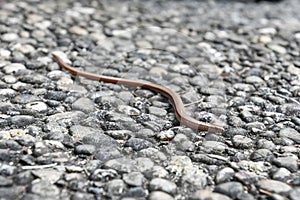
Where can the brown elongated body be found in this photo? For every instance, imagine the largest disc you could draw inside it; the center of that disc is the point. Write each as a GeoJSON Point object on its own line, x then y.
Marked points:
{"type": "Point", "coordinates": [175, 99]}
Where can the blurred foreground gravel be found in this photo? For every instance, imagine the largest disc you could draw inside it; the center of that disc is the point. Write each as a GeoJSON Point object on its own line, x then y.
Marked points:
{"type": "Point", "coordinates": [234, 63]}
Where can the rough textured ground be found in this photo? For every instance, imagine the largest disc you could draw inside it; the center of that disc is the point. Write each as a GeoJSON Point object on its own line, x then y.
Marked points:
{"type": "Point", "coordinates": [234, 63]}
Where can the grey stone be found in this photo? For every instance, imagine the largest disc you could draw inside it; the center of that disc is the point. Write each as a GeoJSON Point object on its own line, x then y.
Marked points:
{"type": "Point", "coordinates": [82, 196]}
{"type": "Point", "coordinates": [5, 181]}
{"type": "Point", "coordinates": [15, 192]}
{"type": "Point", "coordinates": [262, 155]}
{"type": "Point", "coordinates": [79, 132]}
{"type": "Point", "coordinates": [290, 162]}
{"type": "Point", "coordinates": [232, 189]}
{"type": "Point", "coordinates": [134, 178]}
{"type": "Point", "coordinates": [9, 37]}
{"type": "Point", "coordinates": [84, 104]}
{"type": "Point", "coordinates": [294, 194]}
{"type": "Point", "coordinates": [224, 175]}
{"type": "Point", "coordinates": [116, 187]}
{"type": "Point", "coordinates": [162, 185]}
{"type": "Point", "coordinates": [138, 144]}
{"type": "Point", "coordinates": [282, 174]}
{"type": "Point", "coordinates": [86, 149]}
{"type": "Point", "coordinates": [291, 134]}
{"type": "Point", "coordinates": [122, 165]}
{"type": "Point", "coordinates": [207, 194]}
{"type": "Point", "coordinates": [22, 120]}
{"type": "Point", "coordinates": [158, 195]}
{"type": "Point", "coordinates": [274, 186]}
{"type": "Point", "coordinates": [44, 188]}
{"type": "Point", "coordinates": [242, 142]}
{"type": "Point", "coordinates": [157, 111]}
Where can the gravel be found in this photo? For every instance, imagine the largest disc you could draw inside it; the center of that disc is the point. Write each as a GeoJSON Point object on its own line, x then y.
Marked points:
{"type": "Point", "coordinates": [66, 137]}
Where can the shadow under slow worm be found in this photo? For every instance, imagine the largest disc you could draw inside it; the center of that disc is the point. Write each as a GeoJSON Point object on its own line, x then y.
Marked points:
{"type": "Point", "coordinates": [175, 99]}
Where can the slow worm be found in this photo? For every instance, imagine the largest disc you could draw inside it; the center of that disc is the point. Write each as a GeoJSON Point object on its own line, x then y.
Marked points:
{"type": "Point", "coordinates": [175, 99]}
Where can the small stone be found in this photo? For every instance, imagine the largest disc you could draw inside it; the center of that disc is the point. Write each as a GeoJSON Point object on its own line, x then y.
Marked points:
{"type": "Point", "coordinates": [293, 70]}
{"type": "Point", "coordinates": [134, 178]}
{"type": "Point", "coordinates": [162, 185]}
{"type": "Point", "coordinates": [207, 194]}
{"type": "Point", "coordinates": [122, 165]}
{"type": "Point", "coordinates": [82, 196]}
{"type": "Point", "coordinates": [291, 134]}
{"type": "Point", "coordinates": [265, 39]}
{"type": "Point", "coordinates": [224, 175]}
{"type": "Point", "coordinates": [144, 164]}
{"type": "Point", "coordinates": [135, 193]}
{"type": "Point", "coordinates": [4, 53]}
{"type": "Point", "coordinates": [9, 37]}
{"type": "Point", "coordinates": [85, 149]}
{"type": "Point", "coordinates": [294, 195]}
{"type": "Point", "coordinates": [282, 174]}
{"type": "Point", "coordinates": [158, 195]}
{"type": "Point", "coordinates": [84, 104]}
{"type": "Point", "coordinates": [7, 92]}
{"type": "Point", "coordinates": [268, 30]}
{"type": "Point", "coordinates": [165, 135]}
{"type": "Point", "coordinates": [157, 111]}
{"type": "Point", "coordinates": [261, 155]}
{"type": "Point", "coordinates": [277, 48]}
{"type": "Point", "coordinates": [274, 186]}
{"type": "Point", "coordinates": [242, 142]}
{"type": "Point", "coordinates": [232, 189]}
{"type": "Point", "coordinates": [48, 174]}
{"type": "Point", "coordinates": [13, 68]}
{"type": "Point", "coordinates": [254, 79]}
{"type": "Point", "coordinates": [126, 34]}
{"type": "Point", "coordinates": [78, 30]}
{"type": "Point", "coordinates": [116, 187]}
{"type": "Point", "coordinates": [15, 192]}
{"type": "Point", "coordinates": [289, 162]}
{"type": "Point", "coordinates": [22, 120]}
{"type": "Point", "coordinates": [44, 188]}
{"type": "Point", "coordinates": [9, 79]}
{"type": "Point", "coordinates": [138, 144]}
{"type": "Point", "coordinates": [5, 182]}
{"type": "Point", "coordinates": [37, 106]}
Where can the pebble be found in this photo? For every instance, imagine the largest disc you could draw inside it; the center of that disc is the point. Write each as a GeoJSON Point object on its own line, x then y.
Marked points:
{"type": "Point", "coordinates": [290, 162]}
{"type": "Point", "coordinates": [158, 195]}
{"type": "Point", "coordinates": [9, 79]}
{"type": "Point", "coordinates": [7, 92]}
{"type": "Point", "coordinates": [116, 187]}
{"type": "Point", "coordinates": [157, 111]}
{"type": "Point", "coordinates": [294, 195]}
{"type": "Point", "coordinates": [84, 104]}
{"type": "Point", "coordinates": [224, 175]}
{"type": "Point", "coordinates": [277, 48]}
{"type": "Point", "coordinates": [37, 106]}
{"type": "Point", "coordinates": [232, 189]}
{"type": "Point", "coordinates": [13, 68]}
{"type": "Point", "coordinates": [22, 120]}
{"type": "Point", "coordinates": [274, 186]}
{"type": "Point", "coordinates": [122, 165]}
{"type": "Point", "coordinates": [134, 178]}
{"type": "Point", "coordinates": [44, 188]}
{"type": "Point", "coordinates": [9, 37]}
{"type": "Point", "coordinates": [282, 174]}
{"type": "Point", "coordinates": [78, 30]}
{"type": "Point", "coordinates": [162, 185]}
{"type": "Point", "coordinates": [85, 149]}
{"type": "Point", "coordinates": [207, 194]}
{"type": "Point", "coordinates": [242, 142]}
{"type": "Point", "coordinates": [138, 144]}
{"type": "Point", "coordinates": [291, 134]}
